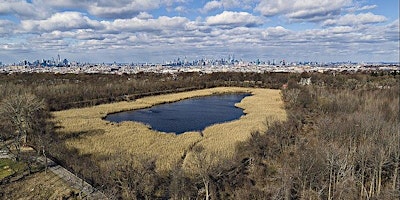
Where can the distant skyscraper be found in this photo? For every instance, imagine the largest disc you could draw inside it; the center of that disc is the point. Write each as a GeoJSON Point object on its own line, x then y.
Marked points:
{"type": "Point", "coordinates": [58, 59]}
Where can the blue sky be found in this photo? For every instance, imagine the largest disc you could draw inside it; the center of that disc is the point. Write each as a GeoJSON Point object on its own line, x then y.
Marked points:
{"type": "Point", "coordinates": [163, 30]}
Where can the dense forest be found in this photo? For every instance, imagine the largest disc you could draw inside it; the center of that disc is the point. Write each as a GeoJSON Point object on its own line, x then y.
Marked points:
{"type": "Point", "coordinates": [341, 139]}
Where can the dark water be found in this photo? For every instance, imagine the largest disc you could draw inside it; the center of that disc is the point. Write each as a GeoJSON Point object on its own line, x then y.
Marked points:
{"type": "Point", "coordinates": [187, 115]}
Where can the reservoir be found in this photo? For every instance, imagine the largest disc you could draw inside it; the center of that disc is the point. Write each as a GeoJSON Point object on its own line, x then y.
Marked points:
{"type": "Point", "coordinates": [193, 114]}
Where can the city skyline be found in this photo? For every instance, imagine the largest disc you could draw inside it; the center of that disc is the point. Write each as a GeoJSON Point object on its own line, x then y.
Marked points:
{"type": "Point", "coordinates": [58, 61]}
{"type": "Point", "coordinates": [161, 30]}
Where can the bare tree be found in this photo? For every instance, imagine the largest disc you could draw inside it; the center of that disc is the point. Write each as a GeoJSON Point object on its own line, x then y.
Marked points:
{"type": "Point", "coordinates": [23, 112]}
{"type": "Point", "coordinates": [202, 164]}
{"type": "Point", "coordinates": [180, 186]}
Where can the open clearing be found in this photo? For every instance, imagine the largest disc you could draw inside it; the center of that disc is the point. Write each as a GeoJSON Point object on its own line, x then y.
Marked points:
{"type": "Point", "coordinates": [98, 137]}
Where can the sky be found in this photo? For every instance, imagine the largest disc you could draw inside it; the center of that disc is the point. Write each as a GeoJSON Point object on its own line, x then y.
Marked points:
{"type": "Point", "coordinates": [158, 31]}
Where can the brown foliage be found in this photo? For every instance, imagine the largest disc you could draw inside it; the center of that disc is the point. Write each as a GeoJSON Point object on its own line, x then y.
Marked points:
{"type": "Point", "coordinates": [340, 141]}
{"type": "Point", "coordinates": [336, 144]}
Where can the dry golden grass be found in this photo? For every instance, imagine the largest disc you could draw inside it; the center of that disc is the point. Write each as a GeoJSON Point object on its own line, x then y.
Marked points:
{"type": "Point", "coordinates": [106, 138]}
{"type": "Point", "coordinates": [37, 186]}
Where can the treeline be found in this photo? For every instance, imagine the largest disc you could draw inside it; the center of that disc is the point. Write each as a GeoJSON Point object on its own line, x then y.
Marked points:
{"type": "Point", "coordinates": [341, 140]}
{"type": "Point", "coordinates": [64, 91]}
{"type": "Point", "coordinates": [336, 144]}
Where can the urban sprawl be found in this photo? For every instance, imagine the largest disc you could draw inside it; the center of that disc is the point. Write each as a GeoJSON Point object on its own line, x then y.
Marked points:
{"type": "Point", "coordinates": [63, 66]}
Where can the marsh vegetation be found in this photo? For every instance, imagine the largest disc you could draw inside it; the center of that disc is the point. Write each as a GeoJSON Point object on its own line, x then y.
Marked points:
{"type": "Point", "coordinates": [337, 138]}
{"type": "Point", "coordinates": [102, 138]}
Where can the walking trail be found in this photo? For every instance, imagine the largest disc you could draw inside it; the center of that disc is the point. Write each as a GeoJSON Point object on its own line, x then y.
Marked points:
{"type": "Point", "coordinates": [72, 180]}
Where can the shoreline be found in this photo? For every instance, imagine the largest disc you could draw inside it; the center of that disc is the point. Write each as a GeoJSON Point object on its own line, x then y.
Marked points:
{"type": "Point", "coordinates": [110, 113]}
{"type": "Point", "coordinates": [107, 138]}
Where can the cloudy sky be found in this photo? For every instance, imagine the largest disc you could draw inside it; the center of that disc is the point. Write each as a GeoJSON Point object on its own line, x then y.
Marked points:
{"type": "Point", "coordinates": [163, 30]}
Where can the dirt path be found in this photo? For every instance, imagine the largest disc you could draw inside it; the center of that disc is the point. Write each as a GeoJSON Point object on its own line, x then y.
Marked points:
{"type": "Point", "coordinates": [72, 180]}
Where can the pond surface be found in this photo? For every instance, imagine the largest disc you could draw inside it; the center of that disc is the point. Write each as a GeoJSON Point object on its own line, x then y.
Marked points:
{"type": "Point", "coordinates": [193, 114]}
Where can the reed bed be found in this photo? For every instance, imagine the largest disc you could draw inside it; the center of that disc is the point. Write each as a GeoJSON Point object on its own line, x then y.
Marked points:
{"type": "Point", "coordinates": [93, 135]}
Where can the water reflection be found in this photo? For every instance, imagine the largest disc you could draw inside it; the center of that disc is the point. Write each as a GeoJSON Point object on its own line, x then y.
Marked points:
{"type": "Point", "coordinates": [187, 115]}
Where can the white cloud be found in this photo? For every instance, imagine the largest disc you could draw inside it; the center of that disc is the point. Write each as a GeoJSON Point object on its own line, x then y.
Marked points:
{"type": "Point", "coordinates": [122, 9]}
{"type": "Point", "coordinates": [144, 15]}
{"type": "Point", "coordinates": [392, 31]}
{"type": "Point", "coordinates": [305, 10]}
{"type": "Point", "coordinates": [234, 19]}
{"type": "Point", "coordinates": [361, 8]}
{"type": "Point", "coordinates": [273, 32]}
{"type": "Point", "coordinates": [212, 5]}
{"type": "Point", "coordinates": [6, 26]}
{"type": "Point", "coordinates": [181, 9]}
{"type": "Point", "coordinates": [64, 3]}
{"type": "Point", "coordinates": [342, 29]}
{"type": "Point", "coordinates": [60, 21]}
{"type": "Point", "coordinates": [120, 30]}
{"type": "Point", "coordinates": [147, 25]}
{"type": "Point", "coordinates": [225, 4]}
{"type": "Point", "coordinates": [172, 2]}
{"type": "Point", "coordinates": [367, 7]}
{"type": "Point", "coordinates": [353, 19]}
{"type": "Point", "coordinates": [22, 9]}
{"type": "Point", "coordinates": [81, 34]}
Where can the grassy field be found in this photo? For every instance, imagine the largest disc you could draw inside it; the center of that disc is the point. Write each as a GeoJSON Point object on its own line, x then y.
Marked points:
{"type": "Point", "coordinates": [38, 186]}
{"type": "Point", "coordinates": [9, 167]}
{"type": "Point", "coordinates": [103, 138]}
